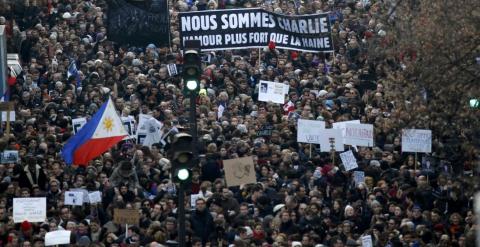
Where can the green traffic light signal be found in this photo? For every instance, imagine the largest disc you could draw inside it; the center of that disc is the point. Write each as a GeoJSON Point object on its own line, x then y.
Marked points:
{"type": "Point", "coordinates": [192, 70]}
{"type": "Point", "coordinates": [183, 174]}
{"type": "Point", "coordinates": [474, 103]}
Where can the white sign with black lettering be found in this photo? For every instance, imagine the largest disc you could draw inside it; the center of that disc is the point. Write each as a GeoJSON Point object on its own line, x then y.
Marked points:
{"type": "Point", "coordinates": [417, 141]}
{"type": "Point", "coordinates": [308, 131]}
{"type": "Point", "coordinates": [78, 123]}
{"type": "Point", "coordinates": [331, 138]}
{"type": "Point", "coordinates": [348, 160]}
{"type": "Point", "coordinates": [74, 198]}
{"type": "Point", "coordinates": [270, 91]}
{"type": "Point", "coordinates": [32, 209]}
{"type": "Point", "coordinates": [358, 135]}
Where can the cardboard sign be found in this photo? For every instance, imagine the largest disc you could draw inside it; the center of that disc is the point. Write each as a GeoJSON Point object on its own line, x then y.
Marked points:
{"type": "Point", "coordinates": [270, 91]}
{"type": "Point", "coordinates": [358, 135]}
{"type": "Point", "coordinates": [57, 237]}
{"type": "Point", "coordinates": [335, 135]}
{"type": "Point", "coordinates": [78, 123]}
{"type": "Point", "coordinates": [359, 177]}
{"type": "Point", "coordinates": [308, 131]}
{"type": "Point", "coordinates": [417, 141]}
{"type": "Point", "coordinates": [74, 198]}
{"type": "Point", "coordinates": [10, 157]}
{"type": "Point", "coordinates": [33, 209]}
{"type": "Point", "coordinates": [95, 197]}
{"type": "Point", "coordinates": [239, 171]}
{"type": "Point", "coordinates": [348, 160]}
{"type": "Point", "coordinates": [126, 216]}
{"type": "Point", "coordinates": [367, 241]}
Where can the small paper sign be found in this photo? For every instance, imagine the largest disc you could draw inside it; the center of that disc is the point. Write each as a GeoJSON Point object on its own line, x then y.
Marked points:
{"type": "Point", "coordinates": [359, 177]}
{"type": "Point", "coordinates": [348, 160]}
{"type": "Point", "coordinates": [126, 216]}
{"type": "Point", "coordinates": [95, 197]}
{"type": "Point", "coordinates": [367, 241]}
{"type": "Point", "coordinates": [74, 198]}
{"type": "Point", "coordinates": [78, 123]}
{"type": "Point", "coordinates": [57, 237]}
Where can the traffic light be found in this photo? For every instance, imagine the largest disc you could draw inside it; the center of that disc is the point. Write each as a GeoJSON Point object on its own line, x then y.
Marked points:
{"type": "Point", "coordinates": [181, 156]}
{"type": "Point", "coordinates": [474, 103]}
{"type": "Point", "coordinates": [192, 69]}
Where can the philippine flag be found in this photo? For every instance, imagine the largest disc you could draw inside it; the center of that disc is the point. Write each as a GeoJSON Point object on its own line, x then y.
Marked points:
{"type": "Point", "coordinates": [104, 130]}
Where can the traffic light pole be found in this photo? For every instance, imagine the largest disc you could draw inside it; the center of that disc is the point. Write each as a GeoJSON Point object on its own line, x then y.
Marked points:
{"type": "Point", "coordinates": [193, 124]}
{"type": "Point", "coordinates": [181, 215]}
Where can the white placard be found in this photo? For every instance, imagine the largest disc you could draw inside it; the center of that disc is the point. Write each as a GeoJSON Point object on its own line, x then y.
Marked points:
{"type": "Point", "coordinates": [348, 160]}
{"type": "Point", "coordinates": [10, 156]}
{"type": "Point", "coordinates": [358, 135]}
{"type": "Point", "coordinates": [326, 134]}
{"type": "Point", "coordinates": [359, 177]}
{"type": "Point", "coordinates": [129, 123]}
{"type": "Point", "coordinates": [193, 199]}
{"type": "Point", "coordinates": [367, 241]}
{"type": "Point", "coordinates": [343, 125]}
{"type": "Point", "coordinates": [417, 140]}
{"type": "Point", "coordinates": [74, 198]}
{"type": "Point", "coordinates": [57, 237]}
{"type": "Point", "coordinates": [95, 197]}
{"type": "Point", "coordinates": [308, 131]}
{"type": "Point", "coordinates": [12, 116]}
{"type": "Point", "coordinates": [270, 91]}
{"type": "Point", "coordinates": [78, 123]}
{"type": "Point", "coordinates": [33, 209]}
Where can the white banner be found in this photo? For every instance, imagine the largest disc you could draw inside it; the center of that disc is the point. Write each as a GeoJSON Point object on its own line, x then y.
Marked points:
{"type": "Point", "coordinates": [270, 91]}
{"type": "Point", "coordinates": [417, 141]}
{"type": "Point", "coordinates": [348, 160]}
{"type": "Point", "coordinates": [358, 135]}
{"type": "Point", "coordinates": [78, 123]}
{"type": "Point", "coordinates": [32, 209]}
{"type": "Point", "coordinates": [328, 135]}
{"type": "Point", "coordinates": [308, 131]}
{"type": "Point", "coordinates": [12, 116]}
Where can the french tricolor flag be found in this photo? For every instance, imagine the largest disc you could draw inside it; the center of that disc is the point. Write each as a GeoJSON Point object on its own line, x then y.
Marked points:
{"type": "Point", "coordinates": [103, 131]}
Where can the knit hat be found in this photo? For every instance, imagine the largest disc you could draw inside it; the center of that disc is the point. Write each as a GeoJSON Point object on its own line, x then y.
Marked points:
{"type": "Point", "coordinates": [26, 226]}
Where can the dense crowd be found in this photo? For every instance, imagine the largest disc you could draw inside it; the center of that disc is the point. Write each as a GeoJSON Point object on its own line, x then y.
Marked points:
{"type": "Point", "coordinates": [302, 198]}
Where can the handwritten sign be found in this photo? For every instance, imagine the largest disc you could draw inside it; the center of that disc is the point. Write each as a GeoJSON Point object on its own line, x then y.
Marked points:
{"type": "Point", "coordinates": [193, 199]}
{"type": "Point", "coordinates": [126, 216]}
{"type": "Point", "coordinates": [367, 241]}
{"type": "Point", "coordinates": [33, 209]}
{"type": "Point", "coordinates": [309, 131]}
{"type": "Point", "coordinates": [358, 177]}
{"type": "Point", "coordinates": [358, 135]}
{"type": "Point", "coordinates": [74, 198]}
{"type": "Point", "coordinates": [78, 123]}
{"type": "Point", "coordinates": [95, 197]}
{"type": "Point", "coordinates": [239, 171]}
{"type": "Point", "coordinates": [326, 135]}
{"type": "Point", "coordinates": [348, 160]}
{"type": "Point", "coordinates": [57, 237]}
{"type": "Point", "coordinates": [343, 125]}
{"type": "Point", "coordinates": [417, 141]}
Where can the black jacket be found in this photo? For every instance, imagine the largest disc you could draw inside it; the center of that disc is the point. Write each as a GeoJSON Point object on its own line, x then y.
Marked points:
{"type": "Point", "coordinates": [202, 224]}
